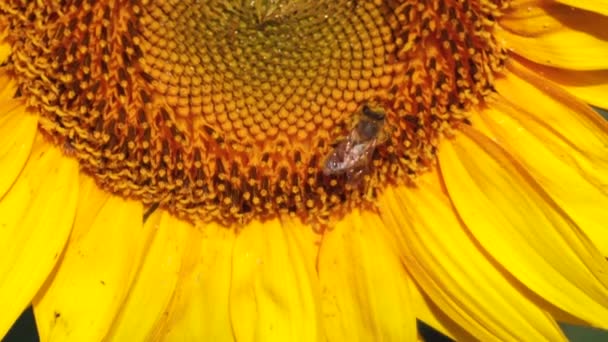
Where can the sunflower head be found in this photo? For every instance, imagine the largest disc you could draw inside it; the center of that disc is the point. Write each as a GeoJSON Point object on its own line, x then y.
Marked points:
{"type": "Point", "coordinates": [226, 110]}
{"type": "Point", "coordinates": [247, 112]}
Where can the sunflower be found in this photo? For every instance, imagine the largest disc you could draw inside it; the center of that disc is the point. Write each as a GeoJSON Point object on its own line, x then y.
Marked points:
{"type": "Point", "coordinates": [303, 170]}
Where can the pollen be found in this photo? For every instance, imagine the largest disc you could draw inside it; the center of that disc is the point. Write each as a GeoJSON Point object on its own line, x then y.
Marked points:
{"type": "Point", "coordinates": [227, 110]}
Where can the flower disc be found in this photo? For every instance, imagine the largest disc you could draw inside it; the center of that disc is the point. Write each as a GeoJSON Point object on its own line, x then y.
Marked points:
{"type": "Point", "coordinates": [226, 110]}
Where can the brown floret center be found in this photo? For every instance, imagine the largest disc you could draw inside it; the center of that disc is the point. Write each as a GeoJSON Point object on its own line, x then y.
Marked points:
{"type": "Point", "coordinates": [227, 110]}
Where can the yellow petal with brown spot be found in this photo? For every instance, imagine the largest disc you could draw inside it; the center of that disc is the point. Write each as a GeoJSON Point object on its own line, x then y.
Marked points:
{"type": "Point", "coordinates": [94, 276]}
{"type": "Point", "coordinates": [36, 218]}
{"type": "Point", "coordinates": [525, 232]}
{"type": "Point", "coordinates": [365, 288]}
{"type": "Point", "coordinates": [457, 275]}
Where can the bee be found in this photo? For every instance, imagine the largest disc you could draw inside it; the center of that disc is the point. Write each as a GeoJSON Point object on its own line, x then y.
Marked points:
{"type": "Point", "coordinates": [352, 156]}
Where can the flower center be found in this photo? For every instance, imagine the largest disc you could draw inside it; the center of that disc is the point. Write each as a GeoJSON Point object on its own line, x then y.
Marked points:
{"type": "Point", "coordinates": [234, 110]}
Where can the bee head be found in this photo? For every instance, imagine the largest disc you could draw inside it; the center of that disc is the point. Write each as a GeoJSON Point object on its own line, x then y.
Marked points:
{"type": "Point", "coordinates": [376, 113]}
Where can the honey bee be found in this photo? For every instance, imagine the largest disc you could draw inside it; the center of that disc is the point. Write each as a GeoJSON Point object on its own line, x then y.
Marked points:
{"type": "Point", "coordinates": [352, 156]}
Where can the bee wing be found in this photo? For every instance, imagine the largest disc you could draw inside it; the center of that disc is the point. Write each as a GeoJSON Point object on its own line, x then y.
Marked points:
{"type": "Point", "coordinates": [338, 159]}
{"type": "Point", "coordinates": [332, 163]}
{"type": "Point", "coordinates": [365, 150]}
{"type": "Point", "coordinates": [360, 165]}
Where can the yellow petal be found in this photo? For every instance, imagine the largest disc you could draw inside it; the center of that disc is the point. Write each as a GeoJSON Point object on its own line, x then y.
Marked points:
{"type": "Point", "coordinates": [5, 52]}
{"type": "Point", "coordinates": [584, 202]}
{"type": "Point", "coordinates": [556, 35]}
{"type": "Point", "coordinates": [272, 296]}
{"type": "Point", "coordinates": [8, 87]}
{"type": "Point", "coordinates": [429, 313]}
{"type": "Point", "coordinates": [457, 275]}
{"type": "Point", "coordinates": [17, 132]}
{"type": "Point", "coordinates": [94, 276]}
{"type": "Point", "coordinates": [36, 217]}
{"type": "Point", "coordinates": [199, 308]}
{"type": "Point", "coordinates": [512, 219]}
{"type": "Point", "coordinates": [597, 6]}
{"type": "Point", "coordinates": [366, 295]}
{"type": "Point", "coordinates": [569, 127]}
{"type": "Point", "coordinates": [146, 304]}
{"type": "Point", "coordinates": [588, 86]}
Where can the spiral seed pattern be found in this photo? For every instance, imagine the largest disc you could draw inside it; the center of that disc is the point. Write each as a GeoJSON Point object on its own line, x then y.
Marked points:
{"type": "Point", "coordinates": [225, 110]}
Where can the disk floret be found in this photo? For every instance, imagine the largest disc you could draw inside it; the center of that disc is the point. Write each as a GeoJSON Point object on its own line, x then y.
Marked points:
{"type": "Point", "coordinates": [228, 110]}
